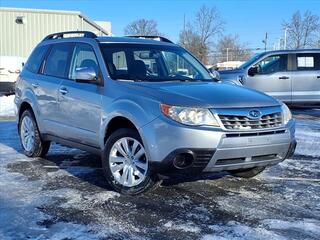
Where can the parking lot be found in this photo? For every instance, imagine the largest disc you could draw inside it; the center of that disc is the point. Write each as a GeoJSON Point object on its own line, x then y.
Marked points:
{"type": "Point", "coordinates": [66, 197]}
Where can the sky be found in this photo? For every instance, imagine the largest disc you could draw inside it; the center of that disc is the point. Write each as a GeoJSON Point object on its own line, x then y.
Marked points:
{"type": "Point", "coordinates": [249, 19]}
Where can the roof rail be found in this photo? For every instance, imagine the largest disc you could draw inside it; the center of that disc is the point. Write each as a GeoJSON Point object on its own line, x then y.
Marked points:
{"type": "Point", "coordinates": [157, 38]}
{"type": "Point", "coordinates": [59, 35]}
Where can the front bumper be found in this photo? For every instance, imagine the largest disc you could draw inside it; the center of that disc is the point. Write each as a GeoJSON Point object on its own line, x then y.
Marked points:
{"type": "Point", "coordinates": [215, 149]}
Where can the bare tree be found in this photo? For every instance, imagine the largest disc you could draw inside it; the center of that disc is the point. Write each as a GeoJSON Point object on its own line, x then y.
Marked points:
{"type": "Point", "coordinates": [229, 48]}
{"type": "Point", "coordinates": [142, 27]}
{"type": "Point", "coordinates": [198, 37]}
{"type": "Point", "coordinates": [208, 24]}
{"type": "Point", "coordinates": [302, 30]}
{"type": "Point", "coordinates": [190, 40]}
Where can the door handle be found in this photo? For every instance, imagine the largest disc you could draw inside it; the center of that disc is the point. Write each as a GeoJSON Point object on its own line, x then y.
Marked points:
{"type": "Point", "coordinates": [35, 85]}
{"type": "Point", "coordinates": [284, 77]}
{"type": "Point", "coordinates": [63, 90]}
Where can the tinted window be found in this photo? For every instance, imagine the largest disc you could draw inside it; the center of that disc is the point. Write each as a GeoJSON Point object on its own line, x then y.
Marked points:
{"type": "Point", "coordinates": [83, 57]}
{"type": "Point", "coordinates": [272, 64]}
{"type": "Point", "coordinates": [58, 60]}
{"type": "Point", "coordinates": [308, 61]}
{"type": "Point", "coordinates": [146, 62]}
{"type": "Point", "coordinates": [35, 59]}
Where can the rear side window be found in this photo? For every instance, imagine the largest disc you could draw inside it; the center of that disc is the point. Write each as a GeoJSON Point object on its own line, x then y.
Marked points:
{"type": "Point", "coordinates": [35, 59]}
{"type": "Point", "coordinates": [308, 61]}
{"type": "Point", "coordinates": [57, 64]}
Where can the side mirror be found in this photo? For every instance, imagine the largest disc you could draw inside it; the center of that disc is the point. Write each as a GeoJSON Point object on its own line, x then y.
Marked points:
{"type": "Point", "coordinates": [214, 74]}
{"type": "Point", "coordinates": [252, 71]}
{"type": "Point", "coordinates": [86, 75]}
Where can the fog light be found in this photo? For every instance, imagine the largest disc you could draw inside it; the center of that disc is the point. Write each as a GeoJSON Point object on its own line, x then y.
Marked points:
{"type": "Point", "coordinates": [183, 160]}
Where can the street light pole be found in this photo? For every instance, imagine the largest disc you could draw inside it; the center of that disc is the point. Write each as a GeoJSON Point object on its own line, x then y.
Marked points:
{"type": "Point", "coordinates": [227, 54]}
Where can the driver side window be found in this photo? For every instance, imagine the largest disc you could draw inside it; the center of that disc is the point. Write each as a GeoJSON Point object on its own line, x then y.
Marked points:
{"type": "Point", "coordinates": [272, 64]}
{"type": "Point", "coordinates": [83, 58]}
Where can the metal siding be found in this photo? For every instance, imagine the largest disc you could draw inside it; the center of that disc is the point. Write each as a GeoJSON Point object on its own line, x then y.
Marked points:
{"type": "Point", "coordinates": [20, 39]}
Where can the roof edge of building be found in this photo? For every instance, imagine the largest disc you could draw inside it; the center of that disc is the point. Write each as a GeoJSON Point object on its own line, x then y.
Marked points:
{"type": "Point", "coordinates": [94, 24]}
{"type": "Point", "coordinates": [37, 10]}
{"type": "Point", "coordinates": [78, 13]}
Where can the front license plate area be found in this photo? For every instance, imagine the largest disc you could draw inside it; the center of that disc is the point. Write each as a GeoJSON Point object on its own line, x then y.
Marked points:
{"type": "Point", "coordinates": [259, 141]}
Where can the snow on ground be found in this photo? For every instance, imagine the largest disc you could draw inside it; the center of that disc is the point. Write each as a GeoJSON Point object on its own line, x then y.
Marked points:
{"type": "Point", "coordinates": [65, 196]}
{"type": "Point", "coordinates": [308, 132]}
{"type": "Point", "coordinates": [7, 106]}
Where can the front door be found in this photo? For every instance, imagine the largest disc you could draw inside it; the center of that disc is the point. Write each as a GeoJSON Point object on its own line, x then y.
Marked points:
{"type": "Point", "coordinates": [306, 78]}
{"type": "Point", "coordinates": [80, 103]}
{"type": "Point", "coordinates": [272, 77]}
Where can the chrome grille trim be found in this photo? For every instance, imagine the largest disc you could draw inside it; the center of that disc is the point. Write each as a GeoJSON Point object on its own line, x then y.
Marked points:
{"type": "Point", "coordinates": [236, 122]}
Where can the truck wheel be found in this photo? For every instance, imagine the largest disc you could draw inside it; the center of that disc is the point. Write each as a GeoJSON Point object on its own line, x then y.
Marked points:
{"type": "Point", "coordinates": [32, 144]}
{"type": "Point", "coordinates": [247, 173]}
{"type": "Point", "coordinates": [125, 164]}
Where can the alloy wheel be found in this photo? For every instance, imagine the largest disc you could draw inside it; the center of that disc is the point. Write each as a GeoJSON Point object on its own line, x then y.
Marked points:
{"type": "Point", "coordinates": [128, 162]}
{"type": "Point", "coordinates": [27, 132]}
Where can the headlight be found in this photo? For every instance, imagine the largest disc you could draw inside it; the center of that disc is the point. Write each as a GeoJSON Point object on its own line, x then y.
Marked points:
{"type": "Point", "coordinates": [286, 113]}
{"type": "Point", "coordinates": [189, 115]}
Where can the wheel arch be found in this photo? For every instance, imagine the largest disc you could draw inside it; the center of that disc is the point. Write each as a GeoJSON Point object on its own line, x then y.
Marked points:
{"type": "Point", "coordinates": [116, 123]}
{"type": "Point", "coordinates": [24, 106]}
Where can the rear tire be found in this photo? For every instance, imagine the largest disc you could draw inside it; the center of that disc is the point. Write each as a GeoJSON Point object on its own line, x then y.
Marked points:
{"type": "Point", "coordinates": [125, 164]}
{"type": "Point", "coordinates": [32, 144]}
{"type": "Point", "coordinates": [247, 173]}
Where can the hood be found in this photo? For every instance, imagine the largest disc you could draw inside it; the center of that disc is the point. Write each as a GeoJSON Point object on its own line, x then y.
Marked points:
{"type": "Point", "coordinates": [206, 94]}
{"type": "Point", "coordinates": [230, 75]}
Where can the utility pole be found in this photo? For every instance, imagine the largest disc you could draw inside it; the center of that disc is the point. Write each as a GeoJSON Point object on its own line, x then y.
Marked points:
{"type": "Point", "coordinates": [265, 40]}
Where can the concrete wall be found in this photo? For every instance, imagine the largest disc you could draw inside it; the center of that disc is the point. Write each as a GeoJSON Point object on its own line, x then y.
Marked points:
{"type": "Point", "coordinates": [19, 39]}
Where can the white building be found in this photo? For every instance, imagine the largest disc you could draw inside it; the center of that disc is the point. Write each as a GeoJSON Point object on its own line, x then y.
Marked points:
{"type": "Point", "coordinates": [22, 29]}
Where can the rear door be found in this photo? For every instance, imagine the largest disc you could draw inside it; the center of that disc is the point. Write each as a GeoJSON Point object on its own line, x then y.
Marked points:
{"type": "Point", "coordinates": [47, 82]}
{"type": "Point", "coordinates": [80, 103]}
{"type": "Point", "coordinates": [306, 77]}
{"type": "Point", "coordinates": [272, 77]}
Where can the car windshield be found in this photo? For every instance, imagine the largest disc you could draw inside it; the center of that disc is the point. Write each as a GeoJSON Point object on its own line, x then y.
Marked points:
{"type": "Point", "coordinates": [146, 62]}
{"type": "Point", "coordinates": [251, 61]}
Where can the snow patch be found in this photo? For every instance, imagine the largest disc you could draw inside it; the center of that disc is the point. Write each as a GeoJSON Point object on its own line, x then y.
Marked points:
{"type": "Point", "coordinates": [308, 138]}
{"type": "Point", "coordinates": [76, 199]}
{"type": "Point", "coordinates": [311, 226]}
{"type": "Point", "coordinates": [7, 106]}
{"type": "Point", "coordinates": [235, 230]}
{"type": "Point", "coordinates": [185, 227]}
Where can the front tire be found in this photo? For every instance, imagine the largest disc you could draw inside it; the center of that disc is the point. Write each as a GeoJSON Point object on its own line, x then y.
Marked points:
{"type": "Point", "coordinates": [125, 164]}
{"type": "Point", "coordinates": [247, 173]}
{"type": "Point", "coordinates": [32, 144]}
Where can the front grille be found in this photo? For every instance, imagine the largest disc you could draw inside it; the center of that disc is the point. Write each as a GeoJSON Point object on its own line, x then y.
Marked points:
{"type": "Point", "coordinates": [232, 122]}
{"type": "Point", "coordinates": [252, 134]}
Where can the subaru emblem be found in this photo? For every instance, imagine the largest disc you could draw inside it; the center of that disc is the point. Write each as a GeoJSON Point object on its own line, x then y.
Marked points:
{"type": "Point", "coordinates": [255, 114]}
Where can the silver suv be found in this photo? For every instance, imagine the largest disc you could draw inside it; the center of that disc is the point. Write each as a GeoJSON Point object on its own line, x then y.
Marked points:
{"type": "Point", "coordinates": [149, 108]}
{"type": "Point", "coordinates": [292, 76]}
